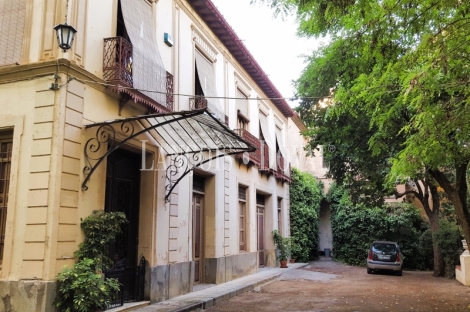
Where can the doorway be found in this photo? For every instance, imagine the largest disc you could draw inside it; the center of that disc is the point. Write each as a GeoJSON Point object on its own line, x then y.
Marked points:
{"type": "Point", "coordinates": [123, 195]}
{"type": "Point", "coordinates": [198, 226]}
{"type": "Point", "coordinates": [260, 205]}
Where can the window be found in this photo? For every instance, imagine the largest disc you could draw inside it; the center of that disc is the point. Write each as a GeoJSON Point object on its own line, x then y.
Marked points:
{"type": "Point", "coordinates": [242, 109]}
{"type": "Point", "coordinates": [242, 217]}
{"type": "Point", "coordinates": [5, 167]}
{"type": "Point", "coordinates": [279, 214]}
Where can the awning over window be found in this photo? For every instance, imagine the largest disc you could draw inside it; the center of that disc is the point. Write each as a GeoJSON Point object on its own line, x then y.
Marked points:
{"type": "Point", "coordinates": [241, 103]}
{"type": "Point", "coordinates": [148, 71]}
{"type": "Point", "coordinates": [263, 121]}
{"type": "Point", "coordinates": [280, 141]}
{"type": "Point", "coordinates": [195, 133]}
{"type": "Point", "coordinates": [205, 71]}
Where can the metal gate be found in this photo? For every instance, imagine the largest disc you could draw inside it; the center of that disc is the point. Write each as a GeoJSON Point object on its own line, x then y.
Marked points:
{"type": "Point", "coordinates": [132, 280]}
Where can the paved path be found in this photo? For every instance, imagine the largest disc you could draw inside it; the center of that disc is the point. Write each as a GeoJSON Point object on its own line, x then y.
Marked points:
{"type": "Point", "coordinates": [207, 297]}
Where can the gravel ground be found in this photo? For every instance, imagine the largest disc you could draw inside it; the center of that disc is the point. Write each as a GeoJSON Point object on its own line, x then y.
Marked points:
{"type": "Point", "coordinates": [326, 285]}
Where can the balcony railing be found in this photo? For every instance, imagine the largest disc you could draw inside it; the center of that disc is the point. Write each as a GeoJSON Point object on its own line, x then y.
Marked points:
{"type": "Point", "coordinates": [117, 69]}
{"type": "Point", "coordinates": [117, 61]}
{"type": "Point", "coordinates": [201, 102]}
{"type": "Point", "coordinates": [197, 103]}
{"type": "Point", "coordinates": [282, 172]}
{"type": "Point", "coordinates": [260, 157]}
{"type": "Point", "coordinates": [170, 99]}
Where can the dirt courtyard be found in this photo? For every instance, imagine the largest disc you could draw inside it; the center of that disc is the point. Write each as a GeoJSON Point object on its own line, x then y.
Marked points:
{"type": "Point", "coordinates": [326, 285]}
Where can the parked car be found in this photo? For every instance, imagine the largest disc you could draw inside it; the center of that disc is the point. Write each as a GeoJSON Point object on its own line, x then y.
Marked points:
{"type": "Point", "coordinates": [384, 255]}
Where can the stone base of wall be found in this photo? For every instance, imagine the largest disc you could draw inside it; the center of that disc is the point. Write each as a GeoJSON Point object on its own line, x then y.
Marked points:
{"type": "Point", "coordinates": [27, 295]}
{"type": "Point", "coordinates": [225, 269]}
{"type": "Point", "coordinates": [171, 280]}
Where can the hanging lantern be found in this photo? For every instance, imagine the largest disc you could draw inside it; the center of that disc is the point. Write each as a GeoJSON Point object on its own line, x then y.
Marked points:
{"type": "Point", "coordinates": [65, 35]}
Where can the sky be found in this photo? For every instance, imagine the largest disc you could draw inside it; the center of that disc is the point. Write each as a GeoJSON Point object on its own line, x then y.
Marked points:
{"type": "Point", "coordinates": [271, 40]}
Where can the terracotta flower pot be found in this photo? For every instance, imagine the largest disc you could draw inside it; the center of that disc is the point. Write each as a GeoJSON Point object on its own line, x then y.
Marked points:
{"type": "Point", "coordinates": [292, 261]}
{"type": "Point", "coordinates": [283, 263]}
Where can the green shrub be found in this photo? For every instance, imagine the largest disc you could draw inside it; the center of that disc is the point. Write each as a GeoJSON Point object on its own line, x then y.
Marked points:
{"type": "Point", "coordinates": [448, 240]}
{"type": "Point", "coordinates": [355, 227]}
{"type": "Point", "coordinates": [100, 229]}
{"type": "Point", "coordinates": [83, 289]}
{"type": "Point", "coordinates": [305, 198]}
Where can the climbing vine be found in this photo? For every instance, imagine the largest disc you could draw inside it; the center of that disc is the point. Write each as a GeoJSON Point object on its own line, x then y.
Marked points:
{"type": "Point", "coordinates": [305, 198]}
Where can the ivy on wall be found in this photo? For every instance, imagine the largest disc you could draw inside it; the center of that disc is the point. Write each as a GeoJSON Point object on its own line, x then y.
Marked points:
{"type": "Point", "coordinates": [356, 226]}
{"type": "Point", "coordinates": [306, 194]}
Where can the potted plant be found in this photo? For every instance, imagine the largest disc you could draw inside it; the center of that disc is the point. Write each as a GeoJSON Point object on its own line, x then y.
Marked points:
{"type": "Point", "coordinates": [282, 245]}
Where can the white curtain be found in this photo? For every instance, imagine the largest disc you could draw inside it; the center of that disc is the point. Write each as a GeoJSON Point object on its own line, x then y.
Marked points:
{"type": "Point", "coordinates": [205, 71]}
{"type": "Point", "coordinates": [12, 23]}
{"type": "Point", "coordinates": [148, 71]}
{"type": "Point", "coordinates": [241, 103]}
{"type": "Point", "coordinates": [282, 148]}
{"type": "Point", "coordinates": [263, 121]}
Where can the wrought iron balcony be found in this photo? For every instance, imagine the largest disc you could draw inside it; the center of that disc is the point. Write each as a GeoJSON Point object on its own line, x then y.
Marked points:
{"type": "Point", "coordinates": [260, 157]}
{"type": "Point", "coordinates": [170, 99]}
{"type": "Point", "coordinates": [117, 61]}
{"type": "Point", "coordinates": [201, 102]}
{"type": "Point", "coordinates": [197, 103]}
{"type": "Point", "coordinates": [117, 70]}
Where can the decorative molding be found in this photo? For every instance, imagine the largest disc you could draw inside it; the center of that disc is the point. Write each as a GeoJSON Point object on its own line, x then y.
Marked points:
{"type": "Point", "coordinates": [278, 121]}
{"type": "Point", "coordinates": [242, 85]}
{"type": "Point", "coordinates": [52, 11]}
{"type": "Point", "coordinates": [203, 45]}
{"type": "Point", "coordinates": [263, 107]}
{"type": "Point", "coordinates": [78, 17]}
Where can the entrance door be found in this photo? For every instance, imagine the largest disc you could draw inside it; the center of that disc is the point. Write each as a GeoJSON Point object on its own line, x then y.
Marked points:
{"type": "Point", "coordinates": [260, 227]}
{"type": "Point", "coordinates": [122, 195]}
{"type": "Point", "coordinates": [198, 213]}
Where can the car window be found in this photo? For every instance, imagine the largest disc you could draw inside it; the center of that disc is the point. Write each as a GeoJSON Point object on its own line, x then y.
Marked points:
{"type": "Point", "coordinates": [384, 247]}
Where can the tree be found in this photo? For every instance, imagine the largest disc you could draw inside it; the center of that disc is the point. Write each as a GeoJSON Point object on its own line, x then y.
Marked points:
{"type": "Point", "coordinates": [413, 82]}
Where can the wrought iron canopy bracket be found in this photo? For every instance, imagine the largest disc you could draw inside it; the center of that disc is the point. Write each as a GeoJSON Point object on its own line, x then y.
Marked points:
{"type": "Point", "coordinates": [186, 163]}
{"type": "Point", "coordinates": [199, 138]}
{"type": "Point", "coordinates": [113, 135]}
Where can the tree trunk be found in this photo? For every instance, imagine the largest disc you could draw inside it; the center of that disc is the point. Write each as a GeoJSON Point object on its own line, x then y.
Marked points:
{"type": "Point", "coordinates": [439, 264]}
{"type": "Point", "coordinates": [457, 195]}
{"type": "Point", "coordinates": [432, 212]}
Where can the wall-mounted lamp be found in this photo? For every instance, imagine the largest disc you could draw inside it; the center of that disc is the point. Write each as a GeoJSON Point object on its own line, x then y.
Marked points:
{"type": "Point", "coordinates": [65, 33]}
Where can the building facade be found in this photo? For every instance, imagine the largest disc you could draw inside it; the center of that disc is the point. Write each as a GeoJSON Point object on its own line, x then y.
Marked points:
{"type": "Point", "coordinates": [312, 162]}
{"type": "Point", "coordinates": [158, 110]}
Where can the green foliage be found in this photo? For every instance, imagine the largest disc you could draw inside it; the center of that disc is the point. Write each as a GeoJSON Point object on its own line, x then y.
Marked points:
{"type": "Point", "coordinates": [305, 198]}
{"type": "Point", "coordinates": [356, 226]}
{"type": "Point", "coordinates": [101, 229]}
{"type": "Point", "coordinates": [282, 245]}
{"type": "Point", "coordinates": [448, 240]}
{"type": "Point", "coordinates": [401, 67]}
{"type": "Point", "coordinates": [82, 288]}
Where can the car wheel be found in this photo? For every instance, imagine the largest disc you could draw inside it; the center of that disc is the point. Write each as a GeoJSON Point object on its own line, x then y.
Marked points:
{"type": "Point", "coordinates": [400, 273]}
{"type": "Point", "coordinates": [369, 271]}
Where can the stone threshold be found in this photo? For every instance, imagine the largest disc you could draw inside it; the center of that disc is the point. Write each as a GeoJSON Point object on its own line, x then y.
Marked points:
{"type": "Point", "coordinates": [129, 306]}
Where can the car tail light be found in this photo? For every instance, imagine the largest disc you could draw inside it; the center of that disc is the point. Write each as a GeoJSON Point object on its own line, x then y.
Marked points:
{"type": "Point", "coordinates": [398, 257]}
{"type": "Point", "coordinates": [370, 255]}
